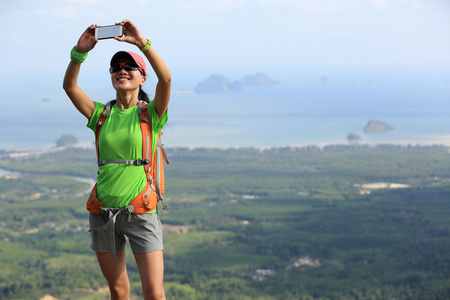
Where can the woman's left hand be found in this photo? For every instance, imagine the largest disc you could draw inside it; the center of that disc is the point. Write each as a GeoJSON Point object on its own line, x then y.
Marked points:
{"type": "Point", "coordinates": [131, 34]}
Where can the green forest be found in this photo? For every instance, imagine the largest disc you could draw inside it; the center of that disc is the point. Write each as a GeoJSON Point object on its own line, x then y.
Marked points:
{"type": "Point", "coordinates": [337, 222]}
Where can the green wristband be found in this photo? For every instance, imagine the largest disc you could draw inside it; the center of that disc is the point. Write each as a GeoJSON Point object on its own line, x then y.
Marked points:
{"type": "Point", "coordinates": [77, 56]}
{"type": "Point", "coordinates": [145, 48]}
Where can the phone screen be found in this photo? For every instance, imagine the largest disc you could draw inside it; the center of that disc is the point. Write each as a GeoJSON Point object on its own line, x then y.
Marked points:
{"type": "Point", "coordinates": [107, 32]}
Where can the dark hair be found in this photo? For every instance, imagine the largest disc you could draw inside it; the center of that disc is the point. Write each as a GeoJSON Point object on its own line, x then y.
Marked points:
{"type": "Point", "coordinates": [143, 95]}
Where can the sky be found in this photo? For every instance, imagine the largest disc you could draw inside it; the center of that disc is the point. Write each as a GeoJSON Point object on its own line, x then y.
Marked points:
{"type": "Point", "coordinates": [214, 35]}
{"type": "Point", "coordinates": [291, 41]}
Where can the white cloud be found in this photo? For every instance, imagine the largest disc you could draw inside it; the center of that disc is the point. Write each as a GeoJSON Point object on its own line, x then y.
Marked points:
{"type": "Point", "coordinates": [378, 4]}
{"type": "Point", "coordinates": [141, 2]}
{"type": "Point", "coordinates": [317, 5]}
{"type": "Point", "coordinates": [98, 15]}
{"type": "Point", "coordinates": [217, 6]}
{"type": "Point", "coordinates": [306, 5]}
{"type": "Point", "coordinates": [271, 2]}
{"type": "Point", "coordinates": [339, 5]}
{"type": "Point", "coordinates": [41, 13]}
{"type": "Point", "coordinates": [15, 38]}
{"type": "Point", "coordinates": [68, 12]}
{"type": "Point", "coordinates": [413, 3]}
{"type": "Point", "coordinates": [226, 5]}
{"type": "Point", "coordinates": [73, 1]}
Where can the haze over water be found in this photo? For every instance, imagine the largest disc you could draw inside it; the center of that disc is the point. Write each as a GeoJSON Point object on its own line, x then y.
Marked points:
{"type": "Point", "coordinates": [304, 110]}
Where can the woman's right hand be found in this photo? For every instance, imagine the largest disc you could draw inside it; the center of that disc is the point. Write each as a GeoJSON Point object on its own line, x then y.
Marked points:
{"type": "Point", "coordinates": [87, 40]}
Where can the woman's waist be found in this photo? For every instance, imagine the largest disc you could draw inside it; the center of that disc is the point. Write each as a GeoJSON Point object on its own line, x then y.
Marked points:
{"type": "Point", "coordinates": [118, 189]}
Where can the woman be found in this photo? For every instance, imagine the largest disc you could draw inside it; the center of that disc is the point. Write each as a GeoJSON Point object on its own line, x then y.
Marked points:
{"type": "Point", "coordinates": [121, 138]}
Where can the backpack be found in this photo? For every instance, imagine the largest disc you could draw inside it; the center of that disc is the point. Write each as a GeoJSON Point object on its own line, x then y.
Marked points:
{"type": "Point", "coordinates": [153, 192]}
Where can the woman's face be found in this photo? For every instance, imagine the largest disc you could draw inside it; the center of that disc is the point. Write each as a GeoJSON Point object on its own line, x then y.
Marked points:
{"type": "Point", "coordinates": [124, 80]}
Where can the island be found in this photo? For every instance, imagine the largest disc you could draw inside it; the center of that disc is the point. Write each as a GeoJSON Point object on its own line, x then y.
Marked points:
{"type": "Point", "coordinates": [353, 138]}
{"type": "Point", "coordinates": [219, 83]}
{"type": "Point", "coordinates": [377, 126]}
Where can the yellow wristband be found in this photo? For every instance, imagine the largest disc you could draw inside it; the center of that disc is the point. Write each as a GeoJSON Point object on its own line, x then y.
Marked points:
{"type": "Point", "coordinates": [145, 48]}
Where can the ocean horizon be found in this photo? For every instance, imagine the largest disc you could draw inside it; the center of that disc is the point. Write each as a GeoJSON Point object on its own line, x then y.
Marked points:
{"type": "Point", "coordinates": [302, 111]}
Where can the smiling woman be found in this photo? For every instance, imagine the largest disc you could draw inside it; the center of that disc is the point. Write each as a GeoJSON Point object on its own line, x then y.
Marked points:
{"type": "Point", "coordinates": [124, 68]}
{"type": "Point", "coordinates": [121, 203]}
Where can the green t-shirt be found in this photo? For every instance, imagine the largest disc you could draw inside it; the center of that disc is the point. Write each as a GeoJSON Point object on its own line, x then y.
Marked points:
{"type": "Point", "coordinates": [121, 138]}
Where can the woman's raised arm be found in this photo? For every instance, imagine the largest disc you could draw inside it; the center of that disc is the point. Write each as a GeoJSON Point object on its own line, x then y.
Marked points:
{"type": "Point", "coordinates": [78, 97]}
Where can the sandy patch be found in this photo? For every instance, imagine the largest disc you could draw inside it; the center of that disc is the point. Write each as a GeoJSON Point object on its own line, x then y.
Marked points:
{"type": "Point", "coordinates": [48, 297]}
{"type": "Point", "coordinates": [177, 229]}
{"type": "Point", "coordinates": [384, 185]}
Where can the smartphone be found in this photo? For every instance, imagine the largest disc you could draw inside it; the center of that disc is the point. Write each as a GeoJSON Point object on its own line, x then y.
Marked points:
{"type": "Point", "coordinates": [108, 32]}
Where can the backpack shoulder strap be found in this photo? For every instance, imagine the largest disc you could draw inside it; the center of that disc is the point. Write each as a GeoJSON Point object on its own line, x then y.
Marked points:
{"type": "Point", "coordinates": [106, 111]}
{"type": "Point", "coordinates": [146, 138]}
{"type": "Point", "coordinates": [101, 120]}
{"type": "Point", "coordinates": [146, 128]}
{"type": "Point", "coordinates": [154, 170]}
{"type": "Point", "coordinates": [145, 118]}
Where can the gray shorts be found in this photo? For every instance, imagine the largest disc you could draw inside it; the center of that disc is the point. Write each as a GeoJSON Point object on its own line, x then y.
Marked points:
{"type": "Point", "coordinates": [144, 231]}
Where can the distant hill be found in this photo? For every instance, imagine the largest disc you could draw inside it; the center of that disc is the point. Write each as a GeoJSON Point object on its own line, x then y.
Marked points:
{"type": "Point", "coordinates": [214, 83]}
{"type": "Point", "coordinates": [353, 138]}
{"type": "Point", "coordinates": [259, 79]}
{"type": "Point", "coordinates": [376, 126]}
{"type": "Point", "coordinates": [219, 83]}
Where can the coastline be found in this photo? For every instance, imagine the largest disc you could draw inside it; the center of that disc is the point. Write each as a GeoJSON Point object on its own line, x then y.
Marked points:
{"type": "Point", "coordinates": [443, 140]}
{"type": "Point", "coordinates": [434, 140]}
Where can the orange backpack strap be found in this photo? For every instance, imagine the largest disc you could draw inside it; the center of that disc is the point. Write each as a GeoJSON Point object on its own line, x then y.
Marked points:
{"type": "Point", "coordinates": [93, 205]}
{"type": "Point", "coordinates": [151, 199]}
{"type": "Point", "coordinates": [154, 170]}
{"type": "Point", "coordinates": [147, 143]}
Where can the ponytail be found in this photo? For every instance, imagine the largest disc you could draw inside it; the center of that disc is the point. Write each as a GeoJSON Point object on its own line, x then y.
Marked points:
{"type": "Point", "coordinates": [143, 95]}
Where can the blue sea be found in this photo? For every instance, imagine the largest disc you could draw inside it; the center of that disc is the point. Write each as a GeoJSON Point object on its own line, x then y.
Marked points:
{"type": "Point", "coordinates": [306, 109]}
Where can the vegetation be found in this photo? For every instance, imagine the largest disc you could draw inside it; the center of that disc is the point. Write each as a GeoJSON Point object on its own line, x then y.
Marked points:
{"type": "Point", "coordinates": [281, 223]}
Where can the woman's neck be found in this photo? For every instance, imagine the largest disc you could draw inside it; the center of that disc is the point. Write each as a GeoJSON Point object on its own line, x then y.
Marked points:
{"type": "Point", "coordinates": [127, 99]}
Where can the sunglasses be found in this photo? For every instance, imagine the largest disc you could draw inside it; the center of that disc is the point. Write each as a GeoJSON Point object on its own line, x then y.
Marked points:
{"type": "Point", "coordinates": [126, 66]}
